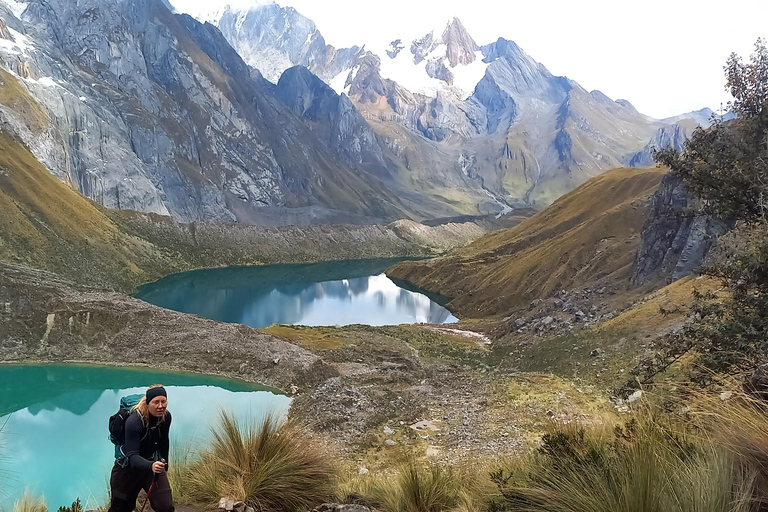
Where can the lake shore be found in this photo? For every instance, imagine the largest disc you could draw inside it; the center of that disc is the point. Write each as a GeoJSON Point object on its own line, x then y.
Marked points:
{"type": "Point", "coordinates": [366, 389]}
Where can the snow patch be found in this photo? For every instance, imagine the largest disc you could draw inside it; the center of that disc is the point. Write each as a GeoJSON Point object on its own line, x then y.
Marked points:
{"type": "Point", "coordinates": [338, 83]}
{"type": "Point", "coordinates": [45, 81]}
{"type": "Point", "coordinates": [466, 78]}
{"type": "Point", "coordinates": [20, 44]}
{"type": "Point", "coordinates": [412, 76]}
{"type": "Point", "coordinates": [213, 13]}
{"type": "Point", "coordinates": [309, 37]}
{"type": "Point", "coordinates": [240, 20]}
{"type": "Point", "coordinates": [17, 8]}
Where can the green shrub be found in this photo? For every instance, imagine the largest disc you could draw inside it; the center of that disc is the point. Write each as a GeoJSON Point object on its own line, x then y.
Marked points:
{"type": "Point", "coordinates": [75, 507]}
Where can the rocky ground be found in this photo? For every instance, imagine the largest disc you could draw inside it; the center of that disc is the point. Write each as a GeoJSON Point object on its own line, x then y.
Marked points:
{"type": "Point", "coordinates": [371, 391]}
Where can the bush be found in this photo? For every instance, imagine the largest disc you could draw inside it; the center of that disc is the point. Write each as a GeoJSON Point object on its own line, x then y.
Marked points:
{"type": "Point", "coordinates": [645, 465]}
{"type": "Point", "coordinates": [421, 489]}
{"type": "Point", "coordinates": [75, 507]}
{"type": "Point", "coordinates": [727, 166]}
{"type": "Point", "coordinates": [273, 467]}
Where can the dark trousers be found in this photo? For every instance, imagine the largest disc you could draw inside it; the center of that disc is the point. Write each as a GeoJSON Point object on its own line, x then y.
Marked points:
{"type": "Point", "coordinates": [126, 484]}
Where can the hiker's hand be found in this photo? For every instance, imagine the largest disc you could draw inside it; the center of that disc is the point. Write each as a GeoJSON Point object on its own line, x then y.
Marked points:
{"type": "Point", "coordinates": [158, 467]}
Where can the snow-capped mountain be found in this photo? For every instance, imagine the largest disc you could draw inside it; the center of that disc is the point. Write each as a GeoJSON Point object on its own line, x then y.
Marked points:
{"type": "Point", "coordinates": [137, 107]}
{"type": "Point", "coordinates": [272, 39]}
{"type": "Point", "coordinates": [527, 135]}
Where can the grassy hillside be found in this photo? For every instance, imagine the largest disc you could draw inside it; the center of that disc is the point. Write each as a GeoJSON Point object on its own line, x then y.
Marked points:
{"type": "Point", "coordinates": [587, 235]}
{"type": "Point", "coordinates": [46, 224]}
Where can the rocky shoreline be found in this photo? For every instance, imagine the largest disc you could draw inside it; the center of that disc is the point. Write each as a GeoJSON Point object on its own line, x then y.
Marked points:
{"type": "Point", "coordinates": [48, 319]}
{"type": "Point", "coordinates": [369, 390]}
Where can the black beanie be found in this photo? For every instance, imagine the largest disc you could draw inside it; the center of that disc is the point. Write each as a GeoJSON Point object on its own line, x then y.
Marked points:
{"type": "Point", "coordinates": [155, 392]}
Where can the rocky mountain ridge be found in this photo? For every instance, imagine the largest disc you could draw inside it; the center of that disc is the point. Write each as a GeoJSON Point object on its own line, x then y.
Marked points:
{"type": "Point", "coordinates": [526, 135]}
{"type": "Point", "coordinates": [139, 108]}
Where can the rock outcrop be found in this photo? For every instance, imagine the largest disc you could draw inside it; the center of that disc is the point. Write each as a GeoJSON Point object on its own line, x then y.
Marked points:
{"type": "Point", "coordinates": [676, 236]}
{"type": "Point", "coordinates": [673, 136]}
{"type": "Point", "coordinates": [46, 318]}
{"type": "Point", "coordinates": [139, 108]}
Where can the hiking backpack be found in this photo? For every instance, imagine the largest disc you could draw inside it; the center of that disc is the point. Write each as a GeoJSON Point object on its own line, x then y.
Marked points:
{"type": "Point", "coordinates": [117, 426]}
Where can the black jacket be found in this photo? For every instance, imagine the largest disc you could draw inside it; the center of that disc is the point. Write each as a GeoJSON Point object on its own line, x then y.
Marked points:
{"type": "Point", "coordinates": [142, 442]}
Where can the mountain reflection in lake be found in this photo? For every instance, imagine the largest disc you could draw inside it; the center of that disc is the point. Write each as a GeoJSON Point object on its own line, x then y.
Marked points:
{"type": "Point", "coordinates": [329, 293]}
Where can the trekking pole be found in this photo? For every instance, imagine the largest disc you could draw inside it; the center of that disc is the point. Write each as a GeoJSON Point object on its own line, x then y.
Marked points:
{"type": "Point", "coordinates": [154, 479]}
{"type": "Point", "coordinates": [152, 486]}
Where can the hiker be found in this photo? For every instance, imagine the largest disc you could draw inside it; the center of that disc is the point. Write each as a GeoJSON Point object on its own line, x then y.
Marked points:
{"type": "Point", "coordinates": [146, 451]}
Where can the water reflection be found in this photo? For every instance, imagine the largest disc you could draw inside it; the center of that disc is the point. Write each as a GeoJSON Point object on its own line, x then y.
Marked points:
{"type": "Point", "coordinates": [332, 293]}
{"type": "Point", "coordinates": [56, 444]}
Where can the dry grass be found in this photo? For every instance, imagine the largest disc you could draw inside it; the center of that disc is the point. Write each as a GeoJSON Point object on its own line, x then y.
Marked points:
{"type": "Point", "coordinates": [413, 486]}
{"type": "Point", "coordinates": [30, 503]}
{"type": "Point", "coordinates": [273, 466]}
{"type": "Point", "coordinates": [14, 96]}
{"type": "Point", "coordinates": [653, 463]}
{"type": "Point", "coordinates": [47, 224]}
{"type": "Point", "coordinates": [324, 338]}
{"type": "Point", "coordinates": [591, 233]}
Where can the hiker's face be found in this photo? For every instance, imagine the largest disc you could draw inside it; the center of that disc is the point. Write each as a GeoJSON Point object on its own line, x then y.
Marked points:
{"type": "Point", "coordinates": [157, 406]}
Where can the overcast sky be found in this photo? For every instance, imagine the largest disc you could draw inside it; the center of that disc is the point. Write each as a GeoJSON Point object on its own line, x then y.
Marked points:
{"type": "Point", "coordinates": [664, 56]}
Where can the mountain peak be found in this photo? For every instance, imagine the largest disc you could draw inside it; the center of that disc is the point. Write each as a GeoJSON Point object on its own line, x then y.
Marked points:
{"type": "Point", "coordinates": [461, 47]}
{"type": "Point", "coordinates": [451, 41]}
{"type": "Point", "coordinates": [213, 13]}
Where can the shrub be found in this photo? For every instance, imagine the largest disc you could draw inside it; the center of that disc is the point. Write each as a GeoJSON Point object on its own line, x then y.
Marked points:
{"type": "Point", "coordinates": [646, 465]}
{"type": "Point", "coordinates": [273, 467]}
{"type": "Point", "coordinates": [75, 507]}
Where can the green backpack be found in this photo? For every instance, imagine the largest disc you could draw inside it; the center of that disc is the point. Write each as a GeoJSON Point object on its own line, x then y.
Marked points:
{"type": "Point", "coordinates": [117, 426]}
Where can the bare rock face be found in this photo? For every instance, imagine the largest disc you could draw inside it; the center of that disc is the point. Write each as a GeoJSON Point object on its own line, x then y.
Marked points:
{"type": "Point", "coordinates": [142, 109]}
{"type": "Point", "coordinates": [677, 235]}
{"type": "Point", "coordinates": [460, 47]}
{"type": "Point", "coordinates": [667, 136]}
{"type": "Point", "coordinates": [272, 39]}
{"type": "Point", "coordinates": [341, 125]}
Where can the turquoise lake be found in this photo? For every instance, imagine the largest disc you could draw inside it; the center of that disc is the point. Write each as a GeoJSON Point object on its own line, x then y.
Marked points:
{"type": "Point", "coordinates": [326, 293]}
{"type": "Point", "coordinates": [54, 438]}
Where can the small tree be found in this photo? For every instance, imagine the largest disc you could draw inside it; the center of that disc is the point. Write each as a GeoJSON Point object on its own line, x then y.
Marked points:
{"type": "Point", "coordinates": [727, 163]}
{"type": "Point", "coordinates": [727, 166]}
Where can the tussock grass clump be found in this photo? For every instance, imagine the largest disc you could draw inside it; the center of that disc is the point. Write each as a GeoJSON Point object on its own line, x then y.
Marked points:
{"type": "Point", "coordinates": [416, 487]}
{"type": "Point", "coordinates": [180, 473]}
{"type": "Point", "coordinates": [30, 503]}
{"type": "Point", "coordinates": [648, 464]}
{"type": "Point", "coordinates": [273, 466]}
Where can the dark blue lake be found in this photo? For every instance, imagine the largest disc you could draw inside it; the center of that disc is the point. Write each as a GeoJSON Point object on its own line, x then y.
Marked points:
{"type": "Point", "coordinates": [326, 293]}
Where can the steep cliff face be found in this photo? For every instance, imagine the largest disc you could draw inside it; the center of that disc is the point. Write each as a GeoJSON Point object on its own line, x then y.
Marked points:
{"type": "Point", "coordinates": [341, 126]}
{"type": "Point", "coordinates": [272, 39]}
{"type": "Point", "coordinates": [676, 236]}
{"type": "Point", "coordinates": [142, 109]}
{"type": "Point", "coordinates": [667, 136]}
